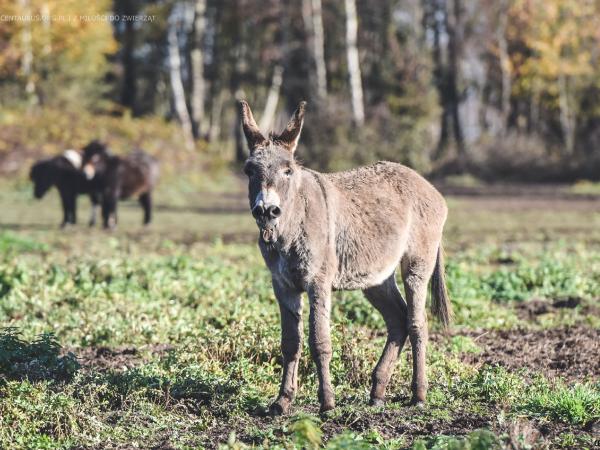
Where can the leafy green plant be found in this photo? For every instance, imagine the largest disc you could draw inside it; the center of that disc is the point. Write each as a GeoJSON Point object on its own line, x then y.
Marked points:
{"type": "Point", "coordinates": [36, 360]}
{"type": "Point", "coordinates": [477, 440]}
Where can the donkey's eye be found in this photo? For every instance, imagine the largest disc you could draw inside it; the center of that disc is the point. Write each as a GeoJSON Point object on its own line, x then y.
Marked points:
{"type": "Point", "coordinates": [287, 171]}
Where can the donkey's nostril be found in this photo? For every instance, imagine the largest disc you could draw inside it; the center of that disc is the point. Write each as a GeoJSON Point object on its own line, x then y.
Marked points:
{"type": "Point", "coordinates": [258, 211]}
{"type": "Point", "coordinates": [274, 212]}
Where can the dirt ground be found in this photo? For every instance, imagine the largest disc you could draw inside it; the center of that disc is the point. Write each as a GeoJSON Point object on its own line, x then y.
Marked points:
{"type": "Point", "coordinates": [568, 352]}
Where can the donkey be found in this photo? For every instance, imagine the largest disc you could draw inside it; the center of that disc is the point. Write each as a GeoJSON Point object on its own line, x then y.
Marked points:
{"type": "Point", "coordinates": [63, 171]}
{"type": "Point", "coordinates": [345, 230]}
{"type": "Point", "coordinates": [120, 178]}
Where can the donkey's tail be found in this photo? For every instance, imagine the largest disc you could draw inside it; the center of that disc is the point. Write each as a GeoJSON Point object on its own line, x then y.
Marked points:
{"type": "Point", "coordinates": [440, 302]}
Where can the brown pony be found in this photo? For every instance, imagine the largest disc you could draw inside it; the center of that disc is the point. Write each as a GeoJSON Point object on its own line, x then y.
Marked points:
{"type": "Point", "coordinates": [119, 178]}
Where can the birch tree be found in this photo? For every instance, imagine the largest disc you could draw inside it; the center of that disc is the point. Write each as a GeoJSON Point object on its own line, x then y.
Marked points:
{"type": "Point", "coordinates": [354, 73]}
{"type": "Point", "coordinates": [313, 23]}
{"type": "Point", "coordinates": [27, 49]}
{"type": "Point", "coordinates": [199, 125]}
{"type": "Point", "coordinates": [504, 60]}
{"type": "Point", "coordinates": [177, 85]}
{"type": "Point", "coordinates": [268, 115]}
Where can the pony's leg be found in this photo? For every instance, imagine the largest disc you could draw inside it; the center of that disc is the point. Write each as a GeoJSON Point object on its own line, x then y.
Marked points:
{"type": "Point", "coordinates": [64, 200]}
{"type": "Point", "coordinates": [146, 202]}
{"type": "Point", "coordinates": [73, 208]}
{"type": "Point", "coordinates": [109, 213]}
{"type": "Point", "coordinates": [94, 200]}
{"type": "Point", "coordinates": [387, 299]}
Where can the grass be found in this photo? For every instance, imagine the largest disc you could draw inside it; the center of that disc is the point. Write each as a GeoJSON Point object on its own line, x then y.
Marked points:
{"type": "Point", "coordinates": [177, 334]}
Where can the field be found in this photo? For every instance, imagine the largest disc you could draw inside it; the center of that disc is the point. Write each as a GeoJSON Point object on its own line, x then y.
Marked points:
{"type": "Point", "coordinates": [168, 337]}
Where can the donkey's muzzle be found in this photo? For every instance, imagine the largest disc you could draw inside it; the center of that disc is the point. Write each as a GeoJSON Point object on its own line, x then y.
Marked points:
{"type": "Point", "coordinates": [268, 234]}
{"type": "Point", "coordinates": [266, 219]}
{"type": "Point", "coordinates": [260, 212]}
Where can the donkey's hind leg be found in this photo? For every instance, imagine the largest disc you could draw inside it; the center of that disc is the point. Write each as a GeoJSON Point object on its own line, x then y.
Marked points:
{"type": "Point", "coordinates": [387, 299]}
{"type": "Point", "coordinates": [416, 272]}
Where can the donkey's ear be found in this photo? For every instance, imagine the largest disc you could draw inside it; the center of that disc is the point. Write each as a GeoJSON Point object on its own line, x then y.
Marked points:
{"type": "Point", "coordinates": [291, 135]}
{"type": "Point", "coordinates": [253, 135]}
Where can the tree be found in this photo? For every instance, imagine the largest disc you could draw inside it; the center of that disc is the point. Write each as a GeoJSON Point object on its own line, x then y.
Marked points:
{"type": "Point", "coordinates": [313, 22]}
{"type": "Point", "coordinates": [556, 63]}
{"type": "Point", "coordinates": [354, 74]}
{"type": "Point", "coordinates": [177, 89]}
{"type": "Point", "coordinates": [67, 58]}
{"type": "Point", "coordinates": [129, 88]}
{"type": "Point", "coordinates": [444, 18]}
{"type": "Point", "coordinates": [197, 68]}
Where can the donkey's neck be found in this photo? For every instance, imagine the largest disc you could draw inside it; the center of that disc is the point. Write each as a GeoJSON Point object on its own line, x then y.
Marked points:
{"type": "Point", "coordinates": [308, 210]}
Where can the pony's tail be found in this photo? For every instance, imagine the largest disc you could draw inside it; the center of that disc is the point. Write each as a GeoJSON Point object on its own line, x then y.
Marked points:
{"type": "Point", "coordinates": [440, 302]}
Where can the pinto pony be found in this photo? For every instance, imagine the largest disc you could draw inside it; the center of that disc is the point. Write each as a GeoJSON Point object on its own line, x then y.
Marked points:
{"type": "Point", "coordinates": [345, 230]}
{"type": "Point", "coordinates": [64, 172]}
{"type": "Point", "coordinates": [119, 178]}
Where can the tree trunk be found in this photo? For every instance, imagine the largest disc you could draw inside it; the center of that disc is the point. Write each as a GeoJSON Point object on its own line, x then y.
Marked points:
{"type": "Point", "coordinates": [567, 119]}
{"type": "Point", "coordinates": [241, 152]}
{"type": "Point", "coordinates": [313, 22]}
{"type": "Point", "coordinates": [238, 63]}
{"type": "Point", "coordinates": [505, 66]}
{"type": "Point", "coordinates": [129, 91]}
{"type": "Point", "coordinates": [197, 66]}
{"type": "Point", "coordinates": [177, 87]}
{"type": "Point", "coordinates": [214, 131]}
{"type": "Point", "coordinates": [27, 48]}
{"type": "Point", "coordinates": [268, 115]}
{"type": "Point", "coordinates": [454, 26]}
{"type": "Point", "coordinates": [439, 73]}
{"type": "Point", "coordinates": [354, 74]}
{"type": "Point", "coordinates": [47, 49]}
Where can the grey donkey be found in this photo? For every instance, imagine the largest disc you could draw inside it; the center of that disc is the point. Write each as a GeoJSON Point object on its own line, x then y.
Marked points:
{"type": "Point", "coordinates": [347, 230]}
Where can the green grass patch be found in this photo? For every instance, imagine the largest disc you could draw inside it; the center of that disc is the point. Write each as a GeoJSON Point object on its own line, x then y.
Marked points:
{"type": "Point", "coordinates": [14, 243]}
{"type": "Point", "coordinates": [577, 405]}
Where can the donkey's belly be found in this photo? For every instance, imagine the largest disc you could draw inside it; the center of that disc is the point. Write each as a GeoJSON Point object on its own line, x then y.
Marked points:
{"type": "Point", "coordinates": [364, 279]}
{"type": "Point", "coordinates": [370, 270]}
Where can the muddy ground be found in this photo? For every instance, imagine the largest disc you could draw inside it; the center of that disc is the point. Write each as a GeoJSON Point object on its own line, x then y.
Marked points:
{"type": "Point", "coordinates": [568, 352]}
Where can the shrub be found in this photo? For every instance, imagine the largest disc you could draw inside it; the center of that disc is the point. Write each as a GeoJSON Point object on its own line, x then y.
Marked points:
{"type": "Point", "coordinates": [36, 360]}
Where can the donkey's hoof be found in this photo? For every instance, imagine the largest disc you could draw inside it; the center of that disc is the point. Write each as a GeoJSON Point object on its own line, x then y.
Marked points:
{"type": "Point", "coordinates": [326, 406]}
{"type": "Point", "coordinates": [277, 409]}
{"type": "Point", "coordinates": [378, 402]}
{"type": "Point", "coordinates": [418, 403]}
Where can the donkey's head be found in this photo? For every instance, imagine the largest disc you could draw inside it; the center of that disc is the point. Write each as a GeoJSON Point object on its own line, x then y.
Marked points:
{"type": "Point", "coordinates": [273, 174]}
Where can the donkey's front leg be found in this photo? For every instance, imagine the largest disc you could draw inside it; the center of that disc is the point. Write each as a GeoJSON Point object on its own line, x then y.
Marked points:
{"type": "Point", "coordinates": [290, 307]}
{"type": "Point", "coordinates": [320, 342]}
